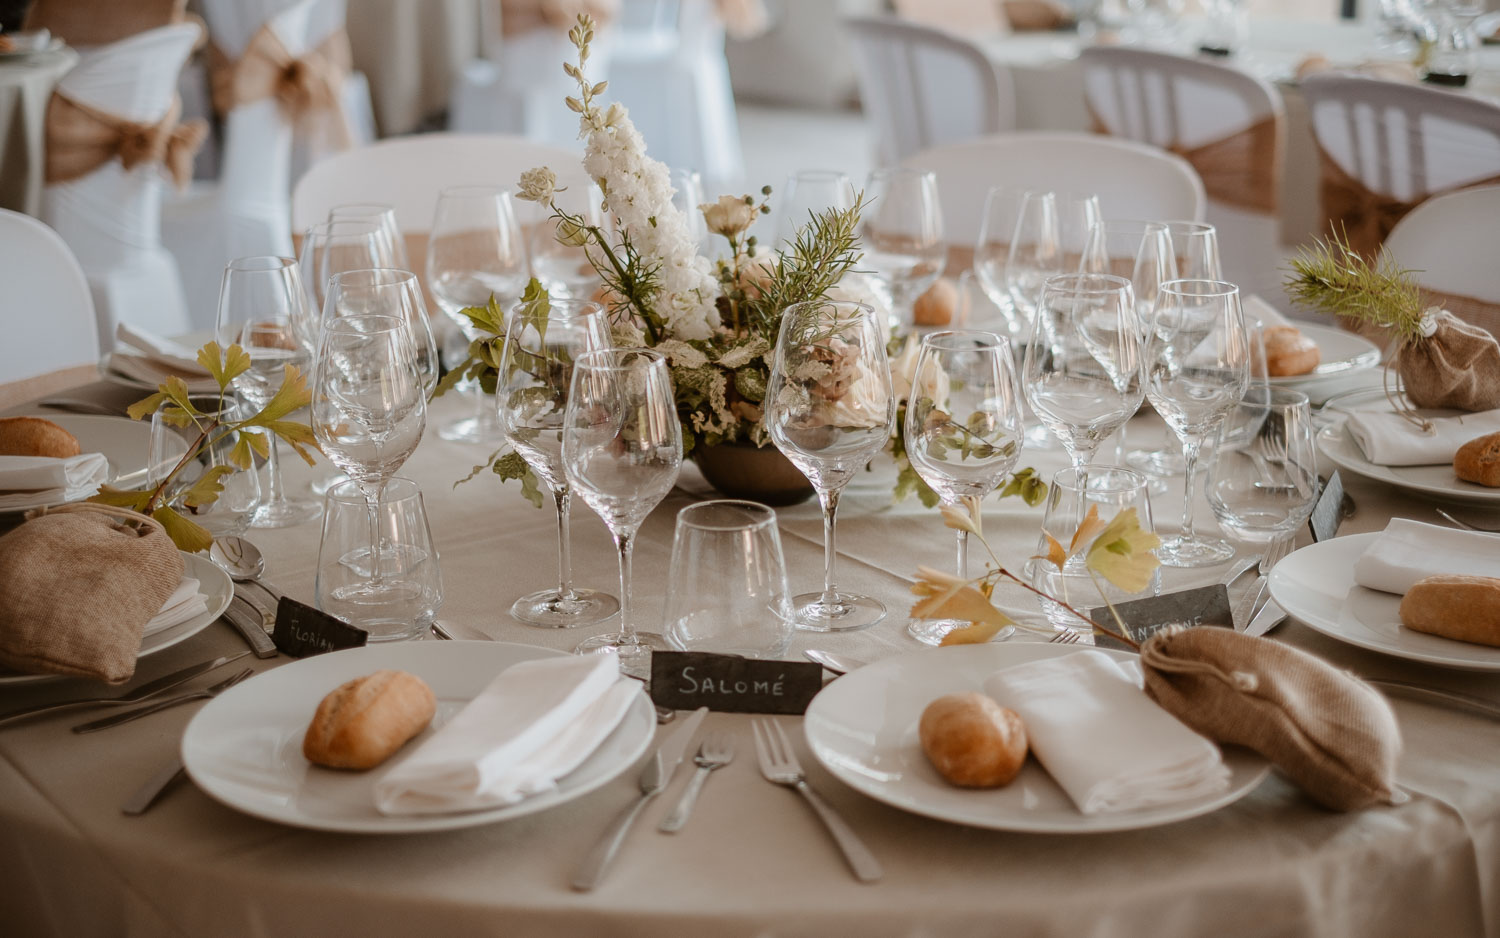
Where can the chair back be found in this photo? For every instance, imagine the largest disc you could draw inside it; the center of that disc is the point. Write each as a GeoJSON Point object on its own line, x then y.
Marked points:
{"type": "Point", "coordinates": [1132, 180]}
{"type": "Point", "coordinates": [52, 324]}
{"type": "Point", "coordinates": [970, 16]}
{"type": "Point", "coordinates": [923, 87]}
{"type": "Point", "coordinates": [82, 24]}
{"type": "Point", "coordinates": [1449, 243]}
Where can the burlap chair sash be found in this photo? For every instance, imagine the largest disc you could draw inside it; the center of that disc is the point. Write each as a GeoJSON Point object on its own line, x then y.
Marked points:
{"type": "Point", "coordinates": [1365, 217]}
{"type": "Point", "coordinates": [523, 16]}
{"type": "Point", "coordinates": [304, 85]}
{"type": "Point", "coordinates": [80, 139]}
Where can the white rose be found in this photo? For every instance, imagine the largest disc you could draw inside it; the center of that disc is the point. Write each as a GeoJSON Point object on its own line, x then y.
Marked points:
{"type": "Point", "coordinates": [537, 185]}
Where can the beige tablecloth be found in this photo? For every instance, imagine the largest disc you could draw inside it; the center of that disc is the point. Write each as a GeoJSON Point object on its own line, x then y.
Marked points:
{"type": "Point", "coordinates": [753, 862]}
{"type": "Point", "coordinates": [25, 88]}
{"type": "Point", "coordinates": [409, 50]}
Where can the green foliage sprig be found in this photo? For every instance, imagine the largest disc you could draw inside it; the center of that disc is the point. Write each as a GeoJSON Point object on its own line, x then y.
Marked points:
{"type": "Point", "coordinates": [1336, 280]}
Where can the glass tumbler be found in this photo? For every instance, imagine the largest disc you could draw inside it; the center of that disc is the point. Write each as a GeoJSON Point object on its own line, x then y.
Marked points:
{"type": "Point", "coordinates": [404, 598]}
{"type": "Point", "coordinates": [231, 512]}
{"type": "Point", "coordinates": [726, 589]}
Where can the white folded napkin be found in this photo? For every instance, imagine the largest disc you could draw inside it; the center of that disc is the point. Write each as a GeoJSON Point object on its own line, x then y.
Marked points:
{"type": "Point", "coordinates": [1407, 551]}
{"type": "Point", "coordinates": [536, 722]}
{"type": "Point", "coordinates": [185, 603]}
{"type": "Point", "coordinates": [24, 480]}
{"type": "Point", "coordinates": [1256, 308]}
{"type": "Point", "coordinates": [1102, 739]}
{"type": "Point", "coordinates": [1388, 439]}
{"type": "Point", "coordinates": [147, 371]}
{"type": "Point", "coordinates": [169, 353]}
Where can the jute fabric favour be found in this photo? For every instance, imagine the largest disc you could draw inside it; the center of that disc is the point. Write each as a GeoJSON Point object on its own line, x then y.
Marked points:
{"type": "Point", "coordinates": [1481, 313]}
{"type": "Point", "coordinates": [1455, 364]}
{"type": "Point", "coordinates": [80, 139]}
{"type": "Point", "coordinates": [1331, 733]}
{"type": "Point", "coordinates": [78, 583]}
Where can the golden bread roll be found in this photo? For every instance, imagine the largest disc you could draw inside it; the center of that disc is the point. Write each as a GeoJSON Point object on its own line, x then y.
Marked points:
{"type": "Point", "coordinates": [364, 721]}
{"type": "Point", "coordinates": [973, 741]}
{"type": "Point", "coordinates": [33, 436]}
{"type": "Point", "coordinates": [1479, 461]}
{"type": "Point", "coordinates": [1289, 352]}
{"type": "Point", "coordinates": [1465, 608]}
{"type": "Point", "coordinates": [936, 306]}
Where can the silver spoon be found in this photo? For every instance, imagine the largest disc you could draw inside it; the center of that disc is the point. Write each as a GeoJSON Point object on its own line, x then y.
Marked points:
{"type": "Point", "coordinates": [243, 562]}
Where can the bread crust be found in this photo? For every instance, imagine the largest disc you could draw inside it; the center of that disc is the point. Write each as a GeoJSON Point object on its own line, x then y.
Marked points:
{"type": "Point", "coordinates": [1464, 608]}
{"type": "Point", "coordinates": [1479, 461]}
{"type": "Point", "coordinates": [1289, 352]}
{"type": "Point", "coordinates": [972, 741]}
{"type": "Point", "coordinates": [35, 436]}
{"type": "Point", "coordinates": [362, 722]}
{"type": "Point", "coordinates": [935, 307]}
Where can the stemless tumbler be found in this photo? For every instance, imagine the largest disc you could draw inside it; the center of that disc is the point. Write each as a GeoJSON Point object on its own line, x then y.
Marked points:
{"type": "Point", "coordinates": [726, 588]}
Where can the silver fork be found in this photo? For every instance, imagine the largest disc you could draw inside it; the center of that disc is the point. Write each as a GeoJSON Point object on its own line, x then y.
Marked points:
{"type": "Point", "coordinates": [1467, 526]}
{"type": "Point", "coordinates": [129, 715]}
{"type": "Point", "coordinates": [1065, 637]}
{"type": "Point", "coordinates": [716, 752]}
{"type": "Point", "coordinates": [780, 766]}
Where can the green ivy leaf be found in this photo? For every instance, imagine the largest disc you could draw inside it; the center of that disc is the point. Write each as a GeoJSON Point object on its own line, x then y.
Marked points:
{"type": "Point", "coordinates": [185, 534]}
{"type": "Point", "coordinates": [513, 466]}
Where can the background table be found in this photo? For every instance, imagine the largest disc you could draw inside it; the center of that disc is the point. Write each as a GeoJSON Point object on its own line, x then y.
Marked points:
{"type": "Point", "coordinates": [25, 88]}
{"type": "Point", "coordinates": [753, 861]}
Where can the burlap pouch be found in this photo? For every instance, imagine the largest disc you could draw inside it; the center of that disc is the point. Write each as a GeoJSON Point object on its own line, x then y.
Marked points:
{"type": "Point", "coordinates": [78, 583]}
{"type": "Point", "coordinates": [1331, 733]}
{"type": "Point", "coordinates": [1455, 364]}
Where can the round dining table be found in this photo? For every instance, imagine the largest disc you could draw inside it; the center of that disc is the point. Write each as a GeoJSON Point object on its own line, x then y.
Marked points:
{"type": "Point", "coordinates": [753, 861]}
{"type": "Point", "coordinates": [26, 83]}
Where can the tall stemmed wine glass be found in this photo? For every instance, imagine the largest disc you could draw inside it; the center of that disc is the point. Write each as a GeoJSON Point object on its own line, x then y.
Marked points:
{"type": "Point", "coordinates": [997, 228]}
{"type": "Point", "coordinates": [621, 452]}
{"type": "Point", "coordinates": [1083, 363]}
{"type": "Point", "coordinates": [335, 246]}
{"type": "Point", "coordinates": [1197, 369]}
{"type": "Point", "coordinates": [563, 267]}
{"type": "Point", "coordinates": [368, 412]}
{"type": "Point", "coordinates": [382, 215]}
{"type": "Point", "coordinates": [531, 395]}
{"type": "Point", "coordinates": [262, 308]}
{"type": "Point", "coordinates": [1034, 254]}
{"type": "Point", "coordinates": [387, 292]}
{"type": "Point", "coordinates": [475, 251]}
{"type": "Point", "coordinates": [964, 430]}
{"type": "Point", "coordinates": [829, 409]}
{"type": "Point", "coordinates": [902, 231]}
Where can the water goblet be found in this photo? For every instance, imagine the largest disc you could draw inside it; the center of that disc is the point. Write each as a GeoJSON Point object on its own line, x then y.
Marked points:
{"type": "Point", "coordinates": [902, 231]}
{"type": "Point", "coordinates": [1035, 254]}
{"type": "Point", "coordinates": [807, 193]}
{"type": "Point", "coordinates": [1002, 209]}
{"type": "Point", "coordinates": [1263, 486]}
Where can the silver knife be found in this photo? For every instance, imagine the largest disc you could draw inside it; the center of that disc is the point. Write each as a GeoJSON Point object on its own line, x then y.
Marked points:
{"type": "Point", "coordinates": [654, 779]}
{"type": "Point", "coordinates": [251, 625]}
{"type": "Point", "coordinates": [1270, 616]}
{"type": "Point", "coordinates": [1252, 596]}
{"type": "Point", "coordinates": [146, 795]}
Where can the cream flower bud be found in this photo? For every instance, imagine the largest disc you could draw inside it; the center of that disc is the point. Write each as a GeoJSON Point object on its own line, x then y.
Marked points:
{"type": "Point", "coordinates": [537, 185]}
{"type": "Point", "coordinates": [571, 233]}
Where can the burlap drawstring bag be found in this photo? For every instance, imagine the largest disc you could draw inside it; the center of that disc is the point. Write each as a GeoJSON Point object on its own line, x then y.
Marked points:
{"type": "Point", "coordinates": [1453, 364]}
{"type": "Point", "coordinates": [1331, 733]}
{"type": "Point", "coordinates": [78, 583]}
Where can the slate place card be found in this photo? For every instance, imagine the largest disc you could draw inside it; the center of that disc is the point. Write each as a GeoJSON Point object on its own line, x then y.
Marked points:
{"type": "Point", "coordinates": [1206, 605]}
{"type": "Point", "coordinates": [301, 630]}
{"type": "Point", "coordinates": [1328, 510]}
{"type": "Point", "coordinates": [687, 680]}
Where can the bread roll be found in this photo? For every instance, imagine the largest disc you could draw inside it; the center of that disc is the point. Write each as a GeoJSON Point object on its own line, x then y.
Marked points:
{"type": "Point", "coordinates": [33, 436]}
{"type": "Point", "coordinates": [364, 721]}
{"type": "Point", "coordinates": [1466, 608]}
{"type": "Point", "coordinates": [936, 306]}
{"type": "Point", "coordinates": [1479, 461]}
{"type": "Point", "coordinates": [973, 741]}
{"type": "Point", "coordinates": [1289, 352]}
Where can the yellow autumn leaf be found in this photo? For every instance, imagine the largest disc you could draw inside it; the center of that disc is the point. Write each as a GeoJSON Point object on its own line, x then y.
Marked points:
{"type": "Point", "coordinates": [944, 596]}
{"type": "Point", "coordinates": [964, 516]}
{"type": "Point", "coordinates": [1055, 554]}
{"type": "Point", "coordinates": [975, 634]}
{"type": "Point", "coordinates": [1091, 525]}
{"type": "Point", "coordinates": [1122, 553]}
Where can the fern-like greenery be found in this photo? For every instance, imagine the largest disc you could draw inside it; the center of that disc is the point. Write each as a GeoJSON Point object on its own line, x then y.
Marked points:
{"type": "Point", "coordinates": [823, 250]}
{"type": "Point", "coordinates": [1333, 278]}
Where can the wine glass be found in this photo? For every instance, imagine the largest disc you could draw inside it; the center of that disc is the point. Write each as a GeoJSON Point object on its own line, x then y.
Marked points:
{"type": "Point", "coordinates": [475, 251]}
{"type": "Point", "coordinates": [963, 430]}
{"type": "Point", "coordinates": [263, 309]}
{"type": "Point", "coordinates": [1035, 254]}
{"type": "Point", "coordinates": [808, 193]}
{"type": "Point", "coordinates": [687, 195]}
{"type": "Point", "coordinates": [368, 413]}
{"type": "Point", "coordinates": [829, 406]}
{"type": "Point", "coordinates": [333, 247]}
{"type": "Point", "coordinates": [902, 231]}
{"type": "Point", "coordinates": [382, 215]}
{"type": "Point", "coordinates": [1077, 214]}
{"type": "Point", "coordinates": [1083, 362]}
{"type": "Point", "coordinates": [621, 451]}
{"type": "Point", "coordinates": [564, 268]}
{"type": "Point", "coordinates": [387, 292]}
{"type": "Point", "coordinates": [1264, 488]}
{"type": "Point", "coordinates": [531, 395]}
{"type": "Point", "coordinates": [997, 229]}
{"type": "Point", "coordinates": [1197, 367]}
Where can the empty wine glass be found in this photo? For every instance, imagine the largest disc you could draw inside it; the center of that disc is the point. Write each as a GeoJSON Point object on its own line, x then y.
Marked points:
{"type": "Point", "coordinates": [333, 247]}
{"type": "Point", "coordinates": [829, 408]}
{"type": "Point", "coordinates": [1264, 489]}
{"type": "Point", "coordinates": [997, 228]}
{"type": "Point", "coordinates": [263, 309]}
{"type": "Point", "coordinates": [382, 215]}
{"type": "Point", "coordinates": [475, 251]}
{"type": "Point", "coordinates": [387, 293]}
{"type": "Point", "coordinates": [621, 452]}
{"type": "Point", "coordinates": [806, 194]}
{"type": "Point", "coordinates": [1077, 214]}
{"type": "Point", "coordinates": [368, 412]}
{"type": "Point", "coordinates": [1197, 365]}
{"type": "Point", "coordinates": [902, 231]}
{"type": "Point", "coordinates": [564, 267]}
{"type": "Point", "coordinates": [687, 195]}
{"type": "Point", "coordinates": [1083, 362]}
{"type": "Point", "coordinates": [1035, 254]}
{"type": "Point", "coordinates": [963, 430]}
{"type": "Point", "coordinates": [531, 395]}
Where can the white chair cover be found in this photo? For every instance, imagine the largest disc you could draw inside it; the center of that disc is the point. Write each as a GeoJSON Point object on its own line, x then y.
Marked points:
{"type": "Point", "coordinates": [50, 322]}
{"type": "Point", "coordinates": [111, 218]}
{"type": "Point", "coordinates": [1132, 180]}
{"type": "Point", "coordinates": [923, 87]}
{"type": "Point", "coordinates": [1449, 243]}
{"type": "Point", "coordinates": [1172, 101]}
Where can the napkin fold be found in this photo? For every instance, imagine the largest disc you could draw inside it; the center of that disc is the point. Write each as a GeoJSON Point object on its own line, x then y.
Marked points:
{"type": "Point", "coordinates": [1408, 551]}
{"type": "Point", "coordinates": [1256, 308]}
{"type": "Point", "coordinates": [1388, 439]}
{"type": "Point", "coordinates": [184, 604]}
{"type": "Point", "coordinates": [162, 351]}
{"type": "Point", "coordinates": [1102, 739]}
{"type": "Point", "coordinates": [26, 479]}
{"type": "Point", "coordinates": [536, 722]}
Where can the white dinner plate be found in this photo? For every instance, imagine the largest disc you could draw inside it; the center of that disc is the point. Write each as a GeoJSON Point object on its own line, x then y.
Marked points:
{"type": "Point", "coordinates": [1433, 481]}
{"type": "Point", "coordinates": [1316, 586]}
{"type": "Point", "coordinates": [21, 55]}
{"type": "Point", "coordinates": [863, 728]}
{"type": "Point", "coordinates": [125, 443]}
{"type": "Point", "coordinates": [214, 586]}
{"type": "Point", "coordinates": [1344, 356]}
{"type": "Point", "coordinates": [245, 748]}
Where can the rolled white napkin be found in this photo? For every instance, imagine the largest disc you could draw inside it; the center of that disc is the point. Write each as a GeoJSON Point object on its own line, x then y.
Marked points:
{"type": "Point", "coordinates": [185, 603]}
{"type": "Point", "coordinates": [1388, 439]}
{"type": "Point", "coordinates": [536, 722]}
{"type": "Point", "coordinates": [27, 479]}
{"type": "Point", "coordinates": [1102, 739]}
{"type": "Point", "coordinates": [1408, 551]}
{"type": "Point", "coordinates": [173, 355]}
